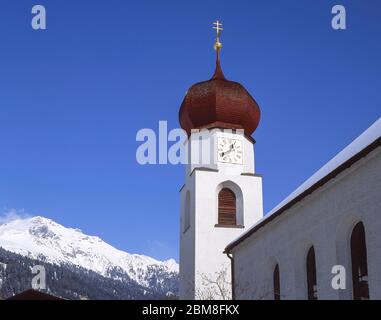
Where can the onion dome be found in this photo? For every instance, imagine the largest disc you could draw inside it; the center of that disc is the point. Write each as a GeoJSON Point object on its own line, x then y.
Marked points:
{"type": "Point", "coordinates": [219, 103]}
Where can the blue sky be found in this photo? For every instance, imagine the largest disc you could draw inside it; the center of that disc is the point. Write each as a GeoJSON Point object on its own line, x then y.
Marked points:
{"type": "Point", "coordinates": [72, 98]}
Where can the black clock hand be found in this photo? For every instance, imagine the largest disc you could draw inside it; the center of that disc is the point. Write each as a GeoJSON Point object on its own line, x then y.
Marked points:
{"type": "Point", "coordinates": [228, 151]}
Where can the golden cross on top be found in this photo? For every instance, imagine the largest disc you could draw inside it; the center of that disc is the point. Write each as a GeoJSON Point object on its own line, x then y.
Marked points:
{"type": "Point", "coordinates": [218, 27]}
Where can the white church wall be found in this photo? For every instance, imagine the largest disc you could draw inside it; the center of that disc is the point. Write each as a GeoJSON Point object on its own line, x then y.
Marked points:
{"type": "Point", "coordinates": [324, 219]}
{"type": "Point", "coordinates": [187, 244]}
{"type": "Point", "coordinates": [202, 245]}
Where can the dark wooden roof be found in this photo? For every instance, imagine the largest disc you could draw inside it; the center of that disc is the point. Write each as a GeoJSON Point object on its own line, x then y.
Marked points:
{"type": "Point", "coordinates": [33, 295]}
{"type": "Point", "coordinates": [219, 103]}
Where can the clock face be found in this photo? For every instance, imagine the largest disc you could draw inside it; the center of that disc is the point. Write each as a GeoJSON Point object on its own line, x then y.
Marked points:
{"type": "Point", "coordinates": [230, 150]}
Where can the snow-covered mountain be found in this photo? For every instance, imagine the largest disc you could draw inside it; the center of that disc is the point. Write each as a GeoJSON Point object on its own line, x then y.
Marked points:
{"type": "Point", "coordinates": [43, 239]}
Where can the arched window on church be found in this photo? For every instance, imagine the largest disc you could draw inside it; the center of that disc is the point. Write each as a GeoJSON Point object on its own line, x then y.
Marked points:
{"type": "Point", "coordinates": [276, 279]}
{"type": "Point", "coordinates": [359, 263]}
{"type": "Point", "coordinates": [187, 210]}
{"type": "Point", "coordinates": [227, 211]}
{"type": "Point", "coordinates": [311, 274]}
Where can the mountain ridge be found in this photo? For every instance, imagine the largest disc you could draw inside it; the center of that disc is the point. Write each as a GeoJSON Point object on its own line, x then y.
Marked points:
{"type": "Point", "coordinates": [40, 238]}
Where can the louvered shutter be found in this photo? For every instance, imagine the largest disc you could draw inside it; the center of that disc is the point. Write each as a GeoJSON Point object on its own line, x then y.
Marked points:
{"type": "Point", "coordinates": [226, 207]}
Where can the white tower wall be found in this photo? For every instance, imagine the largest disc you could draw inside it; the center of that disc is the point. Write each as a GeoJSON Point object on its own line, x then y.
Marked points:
{"type": "Point", "coordinates": [202, 241]}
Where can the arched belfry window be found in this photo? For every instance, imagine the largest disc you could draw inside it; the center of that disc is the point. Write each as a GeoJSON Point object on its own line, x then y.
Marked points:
{"type": "Point", "coordinates": [276, 280]}
{"type": "Point", "coordinates": [227, 211]}
{"type": "Point", "coordinates": [359, 263]}
{"type": "Point", "coordinates": [311, 274]}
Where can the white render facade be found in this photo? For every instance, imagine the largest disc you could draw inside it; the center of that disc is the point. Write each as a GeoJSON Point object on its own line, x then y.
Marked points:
{"type": "Point", "coordinates": [324, 218]}
{"type": "Point", "coordinates": [202, 241]}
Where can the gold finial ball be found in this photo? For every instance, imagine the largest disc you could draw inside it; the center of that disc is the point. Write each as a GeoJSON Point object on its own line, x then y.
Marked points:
{"type": "Point", "coordinates": [217, 45]}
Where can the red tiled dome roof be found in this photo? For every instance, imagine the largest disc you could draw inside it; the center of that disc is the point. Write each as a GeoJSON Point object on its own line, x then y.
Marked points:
{"type": "Point", "coordinates": [219, 103]}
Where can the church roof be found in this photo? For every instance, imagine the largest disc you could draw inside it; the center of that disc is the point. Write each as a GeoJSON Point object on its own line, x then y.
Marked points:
{"type": "Point", "coordinates": [219, 103]}
{"type": "Point", "coordinates": [359, 148]}
{"type": "Point", "coordinates": [32, 294]}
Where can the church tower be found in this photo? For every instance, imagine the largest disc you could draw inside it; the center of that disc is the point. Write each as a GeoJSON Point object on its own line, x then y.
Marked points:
{"type": "Point", "coordinates": [222, 194]}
